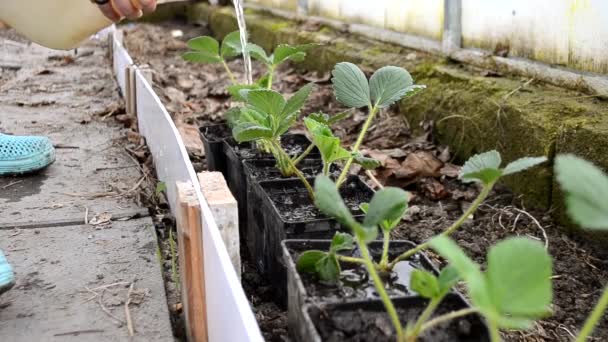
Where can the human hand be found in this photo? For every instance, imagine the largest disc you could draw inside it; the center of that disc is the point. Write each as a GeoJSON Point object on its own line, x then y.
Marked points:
{"type": "Point", "coordinates": [116, 10]}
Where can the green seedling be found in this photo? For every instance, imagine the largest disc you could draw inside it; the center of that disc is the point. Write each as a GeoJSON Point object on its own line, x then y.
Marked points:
{"type": "Point", "coordinates": [387, 85]}
{"type": "Point", "coordinates": [386, 227]}
{"type": "Point", "coordinates": [330, 146]}
{"type": "Point", "coordinates": [265, 118]}
{"type": "Point", "coordinates": [586, 187]}
{"type": "Point", "coordinates": [513, 292]}
{"type": "Point", "coordinates": [485, 170]}
{"type": "Point", "coordinates": [387, 205]}
{"type": "Point", "coordinates": [160, 188]}
{"type": "Point", "coordinates": [207, 49]}
{"type": "Point", "coordinates": [325, 264]}
{"type": "Point", "coordinates": [281, 54]}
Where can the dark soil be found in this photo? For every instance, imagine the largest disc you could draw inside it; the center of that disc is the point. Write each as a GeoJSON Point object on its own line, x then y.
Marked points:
{"type": "Point", "coordinates": [215, 132]}
{"type": "Point", "coordinates": [265, 170]}
{"type": "Point", "coordinates": [293, 145]}
{"type": "Point", "coordinates": [354, 283]}
{"type": "Point", "coordinates": [370, 322]}
{"type": "Point", "coordinates": [580, 272]}
{"type": "Point", "coordinates": [294, 205]}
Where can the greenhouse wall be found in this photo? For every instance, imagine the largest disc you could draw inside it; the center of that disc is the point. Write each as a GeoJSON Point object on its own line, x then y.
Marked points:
{"type": "Point", "coordinates": [570, 33]}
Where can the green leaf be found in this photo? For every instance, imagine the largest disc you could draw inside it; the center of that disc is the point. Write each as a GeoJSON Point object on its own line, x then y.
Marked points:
{"type": "Point", "coordinates": [328, 268]}
{"type": "Point", "coordinates": [249, 131]}
{"type": "Point", "coordinates": [341, 242]}
{"type": "Point", "coordinates": [482, 167]}
{"type": "Point", "coordinates": [235, 91]}
{"type": "Point", "coordinates": [285, 123]}
{"type": "Point", "coordinates": [328, 145]}
{"type": "Point", "coordinates": [425, 284]}
{"type": "Point", "coordinates": [285, 52]}
{"type": "Point", "coordinates": [297, 100]}
{"type": "Point", "coordinates": [389, 84]}
{"type": "Point", "coordinates": [364, 207]}
{"type": "Point", "coordinates": [329, 120]}
{"type": "Point", "coordinates": [160, 188]}
{"type": "Point", "coordinates": [448, 278]}
{"type": "Point", "coordinates": [413, 90]}
{"type": "Point", "coordinates": [200, 57]}
{"type": "Point", "coordinates": [206, 50]}
{"type": "Point", "coordinates": [257, 52]}
{"type": "Point", "coordinates": [338, 117]}
{"type": "Point", "coordinates": [586, 188]}
{"type": "Point", "coordinates": [253, 116]}
{"type": "Point", "coordinates": [233, 116]}
{"type": "Point", "coordinates": [266, 101]}
{"type": "Point", "coordinates": [522, 164]}
{"type": "Point", "coordinates": [306, 261]}
{"type": "Point", "coordinates": [350, 85]}
{"type": "Point", "coordinates": [467, 269]}
{"type": "Point", "coordinates": [366, 162]}
{"type": "Point", "coordinates": [387, 204]}
{"type": "Point", "coordinates": [329, 201]}
{"type": "Point", "coordinates": [231, 45]}
{"type": "Point", "coordinates": [519, 278]}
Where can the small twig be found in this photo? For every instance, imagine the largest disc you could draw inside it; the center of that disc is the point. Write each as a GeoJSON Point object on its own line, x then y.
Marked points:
{"type": "Point", "coordinates": [107, 312]}
{"type": "Point", "coordinates": [65, 147]}
{"type": "Point", "coordinates": [110, 285]}
{"type": "Point", "coordinates": [78, 332]}
{"type": "Point", "coordinates": [86, 215]}
{"type": "Point", "coordinates": [537, 224]}
{"type": "Point", "coordinates": [374, 179]}
{"type": "Point", "coordinates": [12, 183]}
{"type": "Point", "coordinates": [127, 312]}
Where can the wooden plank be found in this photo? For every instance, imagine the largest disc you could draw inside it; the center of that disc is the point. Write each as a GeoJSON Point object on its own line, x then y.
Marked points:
{"type": "Point", "coordinates": [225, 212]}
{"type": "Point", "coordinates": [192, 267]}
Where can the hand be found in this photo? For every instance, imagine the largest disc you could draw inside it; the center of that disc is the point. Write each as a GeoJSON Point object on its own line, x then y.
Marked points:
{"type": "Point", "coordinates": [116, 10]}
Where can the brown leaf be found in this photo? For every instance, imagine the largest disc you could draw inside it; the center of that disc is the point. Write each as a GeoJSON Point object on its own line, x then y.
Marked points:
{"type": "Point", "coordinates": [434, 189]}
{"type": "Point", "coordinates": [419, 164]}
{"type": "Point", "coordinates": [450, 170]}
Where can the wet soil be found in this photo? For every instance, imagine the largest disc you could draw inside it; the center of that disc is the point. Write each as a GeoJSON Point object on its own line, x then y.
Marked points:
{"type": "Point", "coordinates": [293, 145]}
{"type": "Point", "coordinates": [195, 94]}
{"type": "Point", "coordinates": [370, 322]}
{"type": "Point", "coordinates": [354, 283]}
{"type": "Point", "coordinates": [215, 132]}
{"type": "Point", "coordinates": [265, 170]}
{"type": "Point", "coordinates": [294, 205]}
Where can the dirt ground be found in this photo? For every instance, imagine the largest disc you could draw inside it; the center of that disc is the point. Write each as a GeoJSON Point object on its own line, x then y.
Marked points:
{"type": "Point", "coordinates": [194, 94]}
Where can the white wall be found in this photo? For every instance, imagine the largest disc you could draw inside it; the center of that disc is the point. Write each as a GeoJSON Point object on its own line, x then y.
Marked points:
{"type": "Point", "coordinates": [572, 33]}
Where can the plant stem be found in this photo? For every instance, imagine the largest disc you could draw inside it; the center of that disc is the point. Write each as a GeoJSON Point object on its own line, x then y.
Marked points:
{"type": "Point", "coordinates": [485, 191]}
{"type": "Point", "coordinates": [311, 192]}
{"type": "Point", "coordinates": [494, 331]}
{"type": "Point", "coordinates": [594, 318]}
{"type": "Point", "coordinates": [388, 304]}
{"type": "Point", "coordinates": [447, 317]}
{"type": "Point", "coordinates": [351, 260]}
{"type": "Point", "coordinates": [424, 316]}
{"type": "Point", "coordinates": [270, 75]}
{"type": "Point", "coordinates": [372, 113]}
{"type": "Point", "coordinates": [303, 154]}
{"type": "Point", "coordinates": [230, 74]}
{"type": "Point", "coordinates": [326, 168]}
{"type": "Point", "coordinates": [385, 245]}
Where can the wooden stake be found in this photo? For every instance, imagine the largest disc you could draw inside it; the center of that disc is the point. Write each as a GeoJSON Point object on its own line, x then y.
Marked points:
{"type": "Point", "coordinates": [192, 272]}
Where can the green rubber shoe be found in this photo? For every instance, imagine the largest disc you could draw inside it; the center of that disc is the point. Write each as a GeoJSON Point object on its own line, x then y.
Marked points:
{"type": "Point", "coordinates": [7, 277]}
{"type": "Point", "coordinates": [24, 154]}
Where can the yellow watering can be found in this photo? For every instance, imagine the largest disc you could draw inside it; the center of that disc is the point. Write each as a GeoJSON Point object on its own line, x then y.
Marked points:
{"type": "Point", "coordinates": [57, 24]}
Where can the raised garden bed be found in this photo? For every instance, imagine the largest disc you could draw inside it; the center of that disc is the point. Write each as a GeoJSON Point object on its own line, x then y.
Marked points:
{"type": "Point", "coordinates": [440, 200]}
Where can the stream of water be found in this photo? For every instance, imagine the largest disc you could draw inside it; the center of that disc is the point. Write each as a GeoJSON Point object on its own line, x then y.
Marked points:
{"type": "Point", "coordinates": [240, 16]}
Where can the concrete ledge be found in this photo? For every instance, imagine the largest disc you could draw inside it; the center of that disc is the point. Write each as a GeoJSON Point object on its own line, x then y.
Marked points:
{"type": "Point", "coordinates": [474, 109]}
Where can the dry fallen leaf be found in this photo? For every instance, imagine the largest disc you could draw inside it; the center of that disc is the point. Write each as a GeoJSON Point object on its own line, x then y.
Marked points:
{"type": "Point", "coordinates": [419, 164]}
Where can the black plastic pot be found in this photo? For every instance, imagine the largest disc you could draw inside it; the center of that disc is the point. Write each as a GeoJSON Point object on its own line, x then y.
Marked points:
{"type": "Point", "coordinates": [213, 136]}
{"type": "Point", "coordinates": [355, 284]}
{"type": "Point", "coordinates": [286, 212]}
{"type": "Point", "coordinates": [294, 144]}
{"type": "Point", "coordinates": [368, 321]}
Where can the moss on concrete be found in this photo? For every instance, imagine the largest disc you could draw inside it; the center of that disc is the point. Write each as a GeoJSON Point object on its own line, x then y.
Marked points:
{"type": "Point", "coordinates": [472, 112]}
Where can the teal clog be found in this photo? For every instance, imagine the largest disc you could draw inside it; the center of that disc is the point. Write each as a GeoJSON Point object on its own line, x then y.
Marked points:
{"type": "Point", "coordinates": [24, 154]}
{"type": "Point", "coordinates": [7, 277]}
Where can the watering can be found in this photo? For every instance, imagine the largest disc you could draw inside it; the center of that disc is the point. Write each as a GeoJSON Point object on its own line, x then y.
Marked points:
{"type": "Point", "coordinates": [56, 24]}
